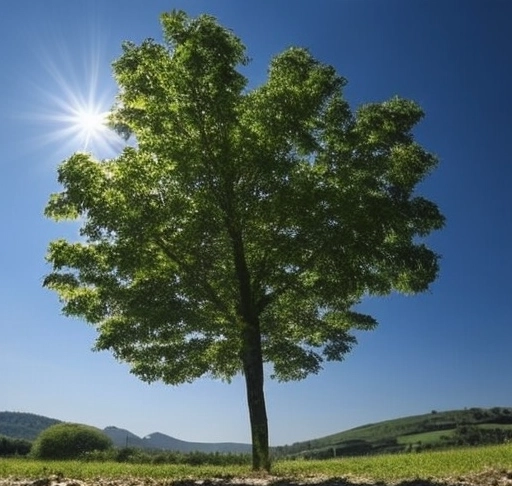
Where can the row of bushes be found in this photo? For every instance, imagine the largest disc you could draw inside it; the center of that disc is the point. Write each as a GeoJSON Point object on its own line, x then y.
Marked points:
{"type": "Point", "coordinates": [144, 456]}
{"type": "Point", "coordinates": [473, 435]}
{"type": "Point", "coordinates": [357, 447]}
{"type": "Point", "coordinates": [76, 441]}
{"type": "Point", "coordinates": [14, 447]}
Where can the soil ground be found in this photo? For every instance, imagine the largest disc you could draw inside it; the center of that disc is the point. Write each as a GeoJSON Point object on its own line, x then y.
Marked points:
{"type": "Point", "coordinates": [486, 478]}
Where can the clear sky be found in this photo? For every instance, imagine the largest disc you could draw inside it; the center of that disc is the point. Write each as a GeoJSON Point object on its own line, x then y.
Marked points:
{"type": "Point", "coordinates": [449, 348]}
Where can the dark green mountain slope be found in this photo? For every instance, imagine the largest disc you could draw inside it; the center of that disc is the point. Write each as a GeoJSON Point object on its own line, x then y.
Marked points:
{"type": "Point", "coordinates": [24, 425]}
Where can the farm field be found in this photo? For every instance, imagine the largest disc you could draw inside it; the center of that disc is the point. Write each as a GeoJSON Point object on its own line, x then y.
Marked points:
{"type": "Point", "coordinates": [486, 466]}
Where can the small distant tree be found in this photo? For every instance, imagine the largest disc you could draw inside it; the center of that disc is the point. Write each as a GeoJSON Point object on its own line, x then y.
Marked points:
{"type": "Point", "coordinates": [69, 441]}
{"type": "Point", "coordinates": [244, 225]}
{"type": "Point", "coordinates": [10, 446]}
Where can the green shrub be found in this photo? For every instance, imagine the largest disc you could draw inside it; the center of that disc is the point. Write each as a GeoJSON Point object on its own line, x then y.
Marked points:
{"type": "Point", "coordinates": [69, 441]}
{"type": "Point", "coordinates": [14, 447]}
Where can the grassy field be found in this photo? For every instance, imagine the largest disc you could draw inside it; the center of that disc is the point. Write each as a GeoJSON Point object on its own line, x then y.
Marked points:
{"type": "Point", "coordinates": [425, 437]}
{"type": "Point", "coordinates": [425, 465]}
{"type": "Point", "coordinates": [385, 468]}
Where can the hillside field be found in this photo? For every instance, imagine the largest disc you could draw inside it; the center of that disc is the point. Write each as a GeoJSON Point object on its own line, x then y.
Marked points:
{"type": "Point", "coordinates": [473, 426]}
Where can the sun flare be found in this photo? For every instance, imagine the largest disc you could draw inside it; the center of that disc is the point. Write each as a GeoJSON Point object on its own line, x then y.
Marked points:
{"type": "Point", "coordinates": [74, 102]}
{"type": "Point", "coordinates": [81, 123]}
{"type": "Point", "coordinates": [89, 122]}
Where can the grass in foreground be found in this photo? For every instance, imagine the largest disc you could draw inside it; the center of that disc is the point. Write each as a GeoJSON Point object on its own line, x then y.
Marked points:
{"type": "Point", "coordinates": [26, 468]}
{"type": "Point", "coordinates": [386, 468]}
{"type": "Point", "coordinates": [393, 467]}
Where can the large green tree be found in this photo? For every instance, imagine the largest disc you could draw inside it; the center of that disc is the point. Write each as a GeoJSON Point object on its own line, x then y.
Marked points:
{"type": "Point", "coordinates": [243, 225]}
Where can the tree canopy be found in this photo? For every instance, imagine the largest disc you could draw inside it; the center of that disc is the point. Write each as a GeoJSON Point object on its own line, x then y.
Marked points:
{"type": "Point", "coordinates": [244, 225]}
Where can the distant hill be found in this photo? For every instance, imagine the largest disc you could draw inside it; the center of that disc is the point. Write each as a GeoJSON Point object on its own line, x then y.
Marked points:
{"type": "Point", "coordinates": [157, 440]}
{"type": "Point", "coordinates": [24, 425]}
{"type": "Point", "coordinates": [436, 429]}
{"type": "Point", "coordinates": [162, 441]}
{"type": "Point", "coordinates": [123, 437]}
{"type": "Point", "coordinates": [28, 426]}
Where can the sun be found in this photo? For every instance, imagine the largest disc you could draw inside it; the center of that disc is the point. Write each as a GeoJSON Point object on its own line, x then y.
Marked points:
{"type": "Point", "coordinates": [89, 122]}
{"type": "Point", "coordinates": [80, 122]}
{"type": "Point", "coordinates": [74, 101]}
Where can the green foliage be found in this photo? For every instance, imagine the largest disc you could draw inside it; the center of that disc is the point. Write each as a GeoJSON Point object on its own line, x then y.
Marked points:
{"type": "Point", "coordinates": [14, 447]}
{"type": "Point", "coordinates": [245, 224]}
{"type": "Point", "coordinates": [474, 435]}
{"type": "Point", "coordinates": [69, 441]}
{"type": "Point", "coordinates": [135, 455]}
{"type": "Point", "coordinates": [322, 200]}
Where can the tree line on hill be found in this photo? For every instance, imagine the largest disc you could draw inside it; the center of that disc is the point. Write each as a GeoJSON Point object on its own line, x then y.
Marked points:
{"type": "Point", "coordinates": [468, 427]}
{"type": "Point", "coordinates": [474, 435]}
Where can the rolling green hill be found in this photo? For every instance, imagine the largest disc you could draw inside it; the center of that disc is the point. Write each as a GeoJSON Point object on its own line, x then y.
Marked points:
{"type": "Point", "coordinates": [433, 430]}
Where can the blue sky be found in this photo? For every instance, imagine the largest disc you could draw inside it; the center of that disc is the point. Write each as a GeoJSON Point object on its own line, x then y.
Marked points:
{"type": "Point", "coordinates": [446, 349]}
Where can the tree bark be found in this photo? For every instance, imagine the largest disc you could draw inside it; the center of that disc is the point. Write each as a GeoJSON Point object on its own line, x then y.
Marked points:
{"type": "Point", "coordinates": [253, 369]}
{"type": "Point", "coordinates": [252, 358]}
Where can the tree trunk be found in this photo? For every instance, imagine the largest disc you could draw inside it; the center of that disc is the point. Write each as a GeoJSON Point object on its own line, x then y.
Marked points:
{"type": "Point", "coordinates": [252, 358]}
{"type": "Point", "coordinates": [253, 369]}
